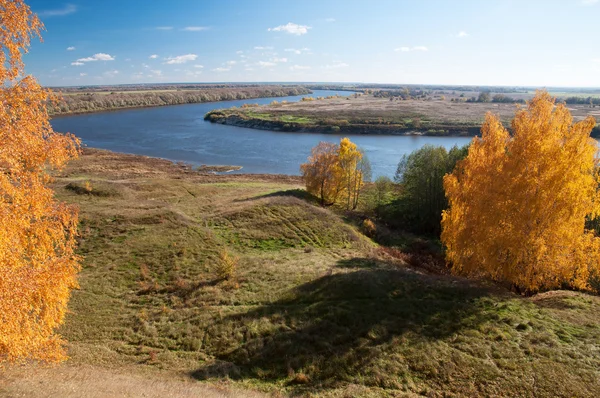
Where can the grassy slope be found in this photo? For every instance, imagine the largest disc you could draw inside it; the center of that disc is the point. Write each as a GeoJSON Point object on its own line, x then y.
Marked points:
{"type": "Point", "coordinates": [316, 308]}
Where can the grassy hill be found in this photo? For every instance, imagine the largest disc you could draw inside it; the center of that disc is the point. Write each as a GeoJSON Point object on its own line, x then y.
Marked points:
{"type": "Point", "coordinates": [316, 308]}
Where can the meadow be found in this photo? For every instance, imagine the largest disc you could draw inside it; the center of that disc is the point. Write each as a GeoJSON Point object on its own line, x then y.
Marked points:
{"type": "Point", "coordinates": [316, 308]}
{"type": "Point", "coordinates": [437, 114]}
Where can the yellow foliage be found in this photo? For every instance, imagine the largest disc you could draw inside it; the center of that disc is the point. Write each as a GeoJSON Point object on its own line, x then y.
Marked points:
{"type": "Point", "coordinates": [226, 265]}
{"type": "Point", "coordinates": [322, 173]}
{"type": "Point", "coordinates": [349, 159]}
{"type": "Point", "coordinates": [518, 204]}
{"type": "Point", "coordinates": [335, 173]}
{"type": "Point", "coordinates": [37, 234]}
{"type": "Point", "coordinates": [369, 227]}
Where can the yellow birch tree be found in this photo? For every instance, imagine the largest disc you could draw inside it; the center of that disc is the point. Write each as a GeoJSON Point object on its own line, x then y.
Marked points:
{"type": "Point", "coordinates": [518, 205]}
{"type": "Point", "coordinates": [37, 234]}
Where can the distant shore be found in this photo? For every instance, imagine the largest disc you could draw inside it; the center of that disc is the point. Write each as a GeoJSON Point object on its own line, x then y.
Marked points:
{"type": "Point", "coordinates": [369, 129]}
{"type": "Point", "coordinates": [376, 115]}
{"type": "Point", "coordinates": [79, 102]}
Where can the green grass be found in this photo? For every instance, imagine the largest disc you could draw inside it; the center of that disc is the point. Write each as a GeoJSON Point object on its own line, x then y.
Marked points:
{"type": "Point", "coordinates": [316, 308]}
{"type": "Point", "coordinates": [295, 119]}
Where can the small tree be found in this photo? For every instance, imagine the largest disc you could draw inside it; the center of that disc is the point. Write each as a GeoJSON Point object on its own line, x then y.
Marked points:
{"type": "Point", "coordinates": [322, 174]}
{"type": "Point", "coordinates": [421, 175]}
{"type": "Point", "coordinates": [349, 159]}
{"type": "Point", "coordinates": [484, 96]}
{"type": "Point", "coordinates": [518, 205]}
{"type": "Point", "coordinates": [226, 268]}
{"type": "Point", "coordinates": [336, 173]}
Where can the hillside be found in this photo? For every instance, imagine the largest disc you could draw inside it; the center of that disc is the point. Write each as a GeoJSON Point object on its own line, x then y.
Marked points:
{"type": "Point", "coordinates": [316, 308]}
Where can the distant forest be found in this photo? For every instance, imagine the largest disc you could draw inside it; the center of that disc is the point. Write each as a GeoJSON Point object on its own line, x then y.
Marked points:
{"type": "Point", "coordinates": [95, 99]}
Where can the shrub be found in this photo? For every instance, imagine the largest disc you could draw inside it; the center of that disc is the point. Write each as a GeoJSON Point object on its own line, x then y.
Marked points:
{"type": "Point", "coordinates": [369, 228]}
{"type": "Point", "coordinates": [226, 265]}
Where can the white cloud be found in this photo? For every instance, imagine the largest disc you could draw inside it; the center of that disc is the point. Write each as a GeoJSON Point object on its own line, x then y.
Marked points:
{"type": "Point", "coordinates": [111, 73]}
{"type": "Point", "coordinates": [265, 64]}
{"type": "Point", "coordinates": [77, 63]}
{"type": "Point", "coordinates": [164, 28]}
{"type": "Point", "coordinates": [181, 59]}
{"type": "Point", "coordinates": [415, 48]}
{"type": "Point", "coordinates": [462, 34]}
{"type": "Point", "coordinates": [278, 59]}
{"type": "Point", "coordinates": [83, 74]}
{"type": "Point", "coordinates": [156, 72]}
{"type": "Point", "coordinates": [194, 28]}
{"type": "Point", "coordinates": [239, 52]}
{"type": "Point", "coordinates": [153, 56]}
{"type": "Point", "coordinates": [221, 69]}
{"type": "Point", "coordinates": [299, 67]}
{"type": "Point", "coordinates": [70, 48]}
{"type": "Point", "coordinates": [291, 28]}
{"type": "Point", "coordinates": [231, 62]}
{"type": "Point", "coordinates": [97, 57]}
{"type": "Point", "coordinates": [198, 66]}
{"type": "Point", "coordinates": [59, 12]}
{"type": "Point", "coordinates": [145, 65]}
{"type": "Point", "coordinates": [298, 51]}
{"type": "Point", "coordinates": [329, 19]}
{"type": "Point", "coordinates": [262, 48]}
{"type": "Point", "coordinates": [588, 2]}
{"type": "Point", "coordinates": [336, 65]}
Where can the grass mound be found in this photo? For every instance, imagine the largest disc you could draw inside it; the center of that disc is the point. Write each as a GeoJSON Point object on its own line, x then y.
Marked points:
{"type": "Point", "coordinates": [93, 188]}
{"type": "Point", "coordinates": [286, 222]}
{"type": "Point", "coordinates": [340, 319]}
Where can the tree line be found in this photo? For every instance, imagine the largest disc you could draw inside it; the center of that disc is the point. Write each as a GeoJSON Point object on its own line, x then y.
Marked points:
{"type": "Point", "coordinates": [94, 102]}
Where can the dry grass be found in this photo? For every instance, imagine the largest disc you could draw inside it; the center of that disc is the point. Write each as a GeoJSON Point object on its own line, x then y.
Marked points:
{"type": "Point", "coordinates": [67, 381]}
{"type": "Point", "coordinates": [316, 309]}
{"type": "Point", "coordinates": [379, 115]}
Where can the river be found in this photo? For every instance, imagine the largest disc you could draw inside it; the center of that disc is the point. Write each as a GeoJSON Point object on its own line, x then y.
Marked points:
{"type": "Point", "coordinates": [179, 133]}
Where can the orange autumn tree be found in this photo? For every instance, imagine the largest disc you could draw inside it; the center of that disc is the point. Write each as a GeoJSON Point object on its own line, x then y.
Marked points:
{"type": "Point", "coordinates": [336, 173]}
{"type": "Point", "coordinates": [518, 205]}
{"type": "Point", "coordinates": [37, 234]}
{"type": "Point", "coordinates": [322, 173]}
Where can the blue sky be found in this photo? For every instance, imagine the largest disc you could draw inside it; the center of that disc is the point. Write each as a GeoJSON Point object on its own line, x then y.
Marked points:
{"type": "Point", "coordinates": [485, 42]}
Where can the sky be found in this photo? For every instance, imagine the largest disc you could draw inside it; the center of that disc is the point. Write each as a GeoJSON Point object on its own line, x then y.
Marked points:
{"type": "Point", "coordinates": [542, 43]}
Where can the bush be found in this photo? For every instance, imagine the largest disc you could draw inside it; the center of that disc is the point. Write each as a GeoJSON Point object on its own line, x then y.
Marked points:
{"type": "Point", "coordinates": [369, 228]}
{"type": "Point", "coordinates": [421, 174]}
{"type": "Point", "coordinates": [226, 265]}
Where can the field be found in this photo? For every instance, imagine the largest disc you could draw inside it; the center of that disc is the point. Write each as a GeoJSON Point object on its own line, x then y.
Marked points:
{"type": "Point", "coordinates": [315, 308]}
{"type": "Point", "coordinates": [372, 115]}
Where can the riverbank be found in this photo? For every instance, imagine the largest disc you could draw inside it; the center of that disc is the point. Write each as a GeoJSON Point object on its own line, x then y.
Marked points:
{"type": "Point", "coordinates": [366, 114]}
{"type": "Point", "coordinates": [315, 308]}
{"type": "Point", "coordinates": [79, 102]}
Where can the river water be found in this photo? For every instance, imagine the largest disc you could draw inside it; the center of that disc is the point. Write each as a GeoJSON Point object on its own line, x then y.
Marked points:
{"type": "Point", "coordinates": [179, 133]}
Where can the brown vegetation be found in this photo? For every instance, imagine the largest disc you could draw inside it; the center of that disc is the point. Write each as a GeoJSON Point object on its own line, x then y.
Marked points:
{"type": "Point", "coordinates": [94, 101]}
{"type": "Point", "coordinates": [366, 114]}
